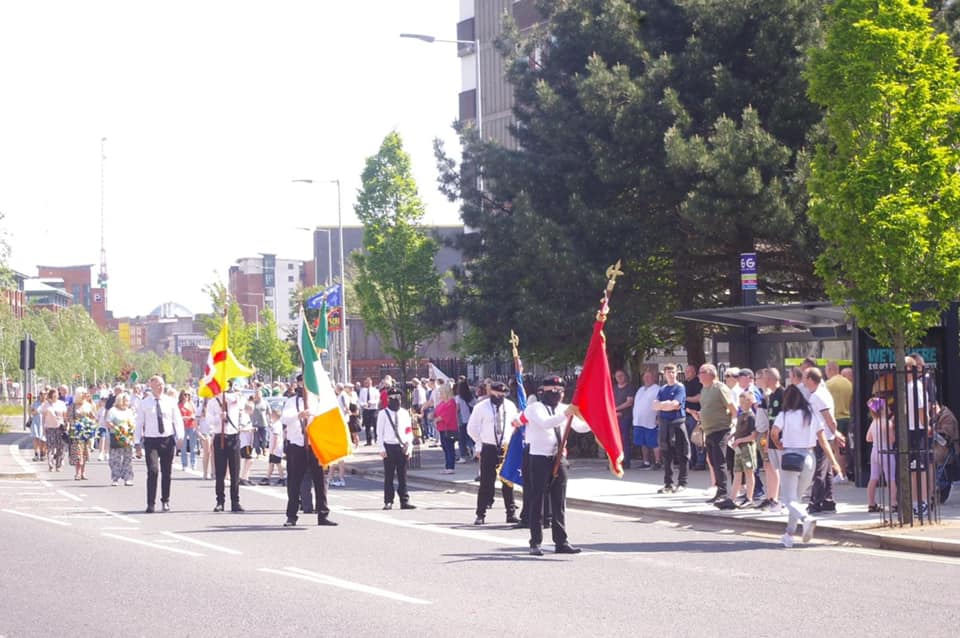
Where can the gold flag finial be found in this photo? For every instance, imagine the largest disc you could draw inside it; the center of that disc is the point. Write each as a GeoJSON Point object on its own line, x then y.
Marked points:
{"type": "Point", "coordinates": [514, 342]}
{"type": "Point", "coordinates": [612, 273]}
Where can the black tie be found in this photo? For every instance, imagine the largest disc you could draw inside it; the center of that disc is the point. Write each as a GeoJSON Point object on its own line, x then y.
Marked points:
{"type": "Point", "coordinates": [159, 417]}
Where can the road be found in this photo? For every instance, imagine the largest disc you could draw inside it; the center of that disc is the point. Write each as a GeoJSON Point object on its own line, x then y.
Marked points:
{"type": "Point", "coordinates": [82, 559]}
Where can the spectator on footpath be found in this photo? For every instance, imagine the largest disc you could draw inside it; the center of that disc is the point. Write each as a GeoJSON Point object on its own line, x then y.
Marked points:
{"type": "Point", "coordinates": [645, 432]}
{"type": "Point", "coordinates": [121, 423]}
{"type": "Point", "coordinates": [692, 388]}
{"type": "Point", "coordinates": [465, 400]}
{"type": "Point", "coordinates": [821, 402]}
{"type": "Point", "coordinates": [248, 434]}
{"type": "Point", "coordinates": [209, 421]}
{"type": "Point", "coordinates": [448, 426]}
{"type": "Point", "coordinates": [188, 412]}
{"type": "Point", "coordinates": [842, 392]}
{"type": "Point", "coordinates": [772, 405]}
{"type": "Point", "coordinates": [674, 446]}
{"type": "Point", "coordinates": [918, 433]}
{"type": "Point", "coordinates": [731, 379]}
{"type": "Point", "coordinates": [744, 447]}
{"type": "Point", "coordinates": [260, 418]}
{"type": "Point", "coordinates": [882, 434]}
{"type": "Point", "coordinates": [747, 382]}
{"type": "Point", "coordinates": [36, 428]}
{"type": "Point", "coordinates": [794, 433]}
{"type": "Point", "coordinates": [369, 405]}
{"type": "Point", "coordinates": [623, 392]}
{"type": "Point", "coordinates": [717, 414]}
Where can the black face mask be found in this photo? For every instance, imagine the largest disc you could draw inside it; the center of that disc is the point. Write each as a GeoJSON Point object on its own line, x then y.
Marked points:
{"type": "Point", "coordinates": [496, 400]}
{"type": "Point", "coordinates": [393, 404]}
{"type": "Point", "coordinates": [550, 397]}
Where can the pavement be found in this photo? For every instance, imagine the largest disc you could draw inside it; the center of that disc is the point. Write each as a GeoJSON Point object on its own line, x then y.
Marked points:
{"type": "Point", "coordinates": [592, 487]}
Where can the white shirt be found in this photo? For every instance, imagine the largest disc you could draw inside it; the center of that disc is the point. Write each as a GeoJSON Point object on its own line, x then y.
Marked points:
{"type": "Point", "coordinates": [486, 420]}
{"type": "Point", "coordinates": [276, 441]}
{"type": "Point", "coordinates": [53, 414]}
{"type": "Point", "coordinates": [644, 415]}
{"type": "Point", "coordinates": [820, 400]}
{"type": "Point", "coordinates": [541, 434]}
{"type": "Point", "coordinates": [419, 395]}
{"type": "Point", "coordinates": [369, 398]}
{"type": "Point", "coordinates": [290, 417]}
{"type": "Point", "coordinates": [212, 414]}
{"type": "Point", "coordinates": [793, 433]}
{"type": "Point", "coordinates": [232, 422]}
{"type": "Point", "coordinates": [147, 426]}
{"type": "Point", "coordinates": [385, 431]}
{"type": "Point", "coordinates": [915, 394]}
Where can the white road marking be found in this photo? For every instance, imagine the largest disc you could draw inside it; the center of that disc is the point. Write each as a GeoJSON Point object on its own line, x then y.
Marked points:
{"type": "Point", "coordinates": [38, 518]}
{"type": "Point", "coordinates": [15, 453]}
{"type": "Point", "coordinates": [323, 579]}
{"type": "Point", "coordinates": [45, 483]}
{"type": "Point", "coordinates": [225, 550]}
{"type": "Point", "coordinates": [137, 541]}
{"type": "Point", "coordinates": [72, 497]}
{"type": "Point", "coordinates": [121, 529]}
{"type": "Point", "coordinates": [87, 516]}
{"type": "Point", "coordinates": [122, 517]}
{"type": "Point", "coordinates": [42, 499]}
{"type": "Point", "coordinates": [21, 487]}
{"type": "Point", "coordinates": [886, 553]}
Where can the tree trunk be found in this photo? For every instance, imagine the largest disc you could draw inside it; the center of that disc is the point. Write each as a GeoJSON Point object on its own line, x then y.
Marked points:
{"type": "Point", "coordinates": [904, 495]}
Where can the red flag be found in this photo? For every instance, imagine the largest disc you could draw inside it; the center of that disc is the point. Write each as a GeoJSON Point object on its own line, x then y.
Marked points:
{"type": "Point", "coordinates": [594, 399]}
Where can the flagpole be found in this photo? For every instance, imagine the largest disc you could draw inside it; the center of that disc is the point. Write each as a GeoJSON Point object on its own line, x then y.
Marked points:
{"type": "Point", "coordinates": [612, 273]}
{"type": "Point", "coordinates": [221, 399]}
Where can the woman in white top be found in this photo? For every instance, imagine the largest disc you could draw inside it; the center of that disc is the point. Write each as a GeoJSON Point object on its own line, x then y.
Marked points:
{"type": "Point", "coordinates": [53, 412]}
{"type": "Point", "coordinates": [120, 425]}
{"type": "Point", "coordinates": [209, 421]}
{"type": "Point", "coordinates": [794, 432]}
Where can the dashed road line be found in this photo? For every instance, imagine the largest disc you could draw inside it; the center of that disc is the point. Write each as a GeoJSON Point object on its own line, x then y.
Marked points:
{"type": "Point", "coordinates": [37, 517]}
{"type": "Point", "coordinates": [182, 537]}
{"type": "Point", "coordinates": [144, 543]}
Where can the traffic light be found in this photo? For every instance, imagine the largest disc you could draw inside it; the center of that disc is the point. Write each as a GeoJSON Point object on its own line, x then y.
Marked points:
{"type": "Point", "coordinates": [28, 354]}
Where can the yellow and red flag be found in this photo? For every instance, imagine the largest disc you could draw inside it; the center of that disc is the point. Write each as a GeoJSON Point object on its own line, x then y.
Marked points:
{"type": "Point", "coordinates": [221, 365]}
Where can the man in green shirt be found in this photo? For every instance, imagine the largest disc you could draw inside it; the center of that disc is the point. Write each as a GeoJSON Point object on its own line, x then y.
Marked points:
{"type": "Point", "coordinates": [717, 413]}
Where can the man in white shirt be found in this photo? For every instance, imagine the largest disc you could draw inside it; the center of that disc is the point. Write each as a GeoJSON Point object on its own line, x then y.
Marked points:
{"type": "Point", "coordinates": [369, 398]}
{"type": "Point", "coordinates": [490, 426]}
{"type": "Point", "coordinates": [395, 433]}
{"type": "Point", "coordinates": [226, 450]}
{"type": "Point", "coordinates": [545, 420]}
{"type": "Point", "coordinates": [295, 414]}
{"type": "Point", "coordinates": [645, 431]}
{"type": "Point", "coordinates": [158, 430]}
{"type": "Point", "coordinates": [821, 404]}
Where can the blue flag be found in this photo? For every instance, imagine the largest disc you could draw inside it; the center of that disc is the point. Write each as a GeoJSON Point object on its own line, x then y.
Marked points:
{"type": "Point", "coordinates": [314, 302]}
{"type": "Point", "coordinates": [334, 297]}
{"type": "Point", "coordinates": [509, 471]}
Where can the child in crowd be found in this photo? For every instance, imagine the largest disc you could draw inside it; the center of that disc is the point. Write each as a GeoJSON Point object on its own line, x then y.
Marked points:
{"type": "Point", "coordinates": [883, 435]}
{"type": "Point", "coordinates": [276, 449]}
{"type": "Point", "coordinates": [745, 448]}
{"type": "Point", "coordinates": [247, 432]}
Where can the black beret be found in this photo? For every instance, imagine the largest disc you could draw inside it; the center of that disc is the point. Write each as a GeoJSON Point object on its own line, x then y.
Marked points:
{"type": "Point", "coordinates": [552, 381]}
{"type": "Point", "coordinates": [394, 391]}
{"type": "Point", "coordinates": [498, 386]}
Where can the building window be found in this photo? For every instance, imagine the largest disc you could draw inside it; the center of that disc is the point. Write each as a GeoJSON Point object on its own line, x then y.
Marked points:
{"type": "Point", "coordinates": [289, 266]}
{"type": "Point", "coordinates": [290, 279]}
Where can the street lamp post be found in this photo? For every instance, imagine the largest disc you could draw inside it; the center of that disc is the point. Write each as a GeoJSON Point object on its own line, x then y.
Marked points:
{"type": "Point", "coordinates": [343, 286]}
{"type": "Point", "coordinates": [476, 47]}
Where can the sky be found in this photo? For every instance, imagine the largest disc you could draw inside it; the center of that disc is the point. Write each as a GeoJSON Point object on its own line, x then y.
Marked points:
{"type": "Point", "coordinates": [209, 109]}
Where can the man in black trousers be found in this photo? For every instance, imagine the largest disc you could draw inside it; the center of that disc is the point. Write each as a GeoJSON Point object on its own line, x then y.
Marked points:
{"type": "Point", "coordinates": [158, 430]}
{"type": "Point", "coordinates": [301, 460]}
{"type": "Point", "coordinates": [226, 450]}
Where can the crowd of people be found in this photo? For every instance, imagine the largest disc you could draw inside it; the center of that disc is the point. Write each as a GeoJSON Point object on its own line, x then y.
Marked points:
{"type": "Point", "coordinates": [770, 440]}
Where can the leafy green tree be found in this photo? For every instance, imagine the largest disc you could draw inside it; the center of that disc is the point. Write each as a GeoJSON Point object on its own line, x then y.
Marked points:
{"type": "Point", "coordinates": [885, 188]}
{"type": "Point", "coordinates": [396, 275]}
{"type": "Point", "coordinates": [668, 134]}
{"type": "Point", "coordinates": [268, 353]}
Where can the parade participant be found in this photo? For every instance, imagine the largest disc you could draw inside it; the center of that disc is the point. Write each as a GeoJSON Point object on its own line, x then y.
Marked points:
{"type": "Point", "coordinates": [53, 412]}
{"type": "Point", "coordinates": [121, 424]}
{"type": "Point", "coordinates": [395, 433]}
{"type": "Point", "coordinates": [674, 445]}
{"type": "Point", "coordinates": [545, 418]}
{"type": "Point", "coordinates": [300, 458]}
{"type": "Point", "coordinates": [159, 429]}
{"type": "Point", "coordinates": [488, 426]}
{"type": "Point", "coordinates": [226, 449]}
{"type": "Point", "coordinates": [83, 429]}
{"type": "Point", "coordinates": [369, 404]}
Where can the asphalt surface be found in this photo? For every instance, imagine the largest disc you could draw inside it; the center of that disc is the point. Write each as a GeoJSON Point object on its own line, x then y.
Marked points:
{"type": "Point", "coordinates": [80, 558]}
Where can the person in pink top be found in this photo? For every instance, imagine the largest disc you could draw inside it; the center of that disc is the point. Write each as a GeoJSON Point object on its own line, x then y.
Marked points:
{"type": "Point", "coordinates": [448, 425]}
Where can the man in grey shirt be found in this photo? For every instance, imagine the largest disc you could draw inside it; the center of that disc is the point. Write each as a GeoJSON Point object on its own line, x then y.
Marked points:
{"type": "Point", "coordinates": [623, 392]}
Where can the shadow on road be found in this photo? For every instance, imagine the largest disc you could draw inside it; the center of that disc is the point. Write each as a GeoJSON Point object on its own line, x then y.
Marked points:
{"type": "Point", "coordinates": [656, 547]}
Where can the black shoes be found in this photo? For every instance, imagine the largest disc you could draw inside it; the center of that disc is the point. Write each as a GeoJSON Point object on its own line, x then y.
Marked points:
{"type": "Point", "coordinates": [479, 521]}
{"type": "Point", "coordinates": [326, 521]}
{"type": "Point", "coordinates": [218, 507]}
{"type": "Point", "coordinates": [567, 548]}
{"type": "Point", "coordinates": [290, 523]}
{"type": "Point", "coordinates": [407, 506]}
{"type": "Point", "coordinates": [149, 509]}
{"type": "Point", "coordinates": [388, 506]}
{"type": "Point", "coordinates": [535, 550]}
{"type": "Point", "coordinates": [512, 519]}
{"type": "Point", "coordinates": [725, 504]}
{"type": "Point", "coordinates": [236, 508]}
{"type": "Point", "coordinates": [165, 507]}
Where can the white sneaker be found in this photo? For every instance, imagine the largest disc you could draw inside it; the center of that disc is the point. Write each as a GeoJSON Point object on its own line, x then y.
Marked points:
{"type": "Point", "coordinates": [115, 483]}
{"type": "Point", "coordinates": [100, 457]}
{"type": "Point", "coordinates": [128, 483]}
{"type": "Point", "coordinates": [787, 540]}
{"type": "Point", "coordinates": [809, 527]}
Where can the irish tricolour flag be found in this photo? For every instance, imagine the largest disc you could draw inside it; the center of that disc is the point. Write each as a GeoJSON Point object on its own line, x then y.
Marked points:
{"type": "Point", "coordinates": [327, 431]}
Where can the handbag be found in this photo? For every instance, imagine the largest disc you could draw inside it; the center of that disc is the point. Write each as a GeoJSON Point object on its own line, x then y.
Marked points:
{"type": "Point", "coordinates": [696, 437]}
{"type": "Point", "coordinates": [792, 461]}
{"type": "Point", "coordinates": [64, 435]}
